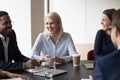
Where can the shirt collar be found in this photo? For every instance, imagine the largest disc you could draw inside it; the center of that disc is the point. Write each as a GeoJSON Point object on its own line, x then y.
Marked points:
{"type": "Point", "coordinates": [48, 37]}
{"type": "Point", "coordinates": [119, 47]}
{"type": "Point", "coordinates": [2, 37]}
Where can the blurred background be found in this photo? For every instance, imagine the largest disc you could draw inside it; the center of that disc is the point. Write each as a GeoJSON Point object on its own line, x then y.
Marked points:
{"type": "Point", "coordinates": [80, 18]}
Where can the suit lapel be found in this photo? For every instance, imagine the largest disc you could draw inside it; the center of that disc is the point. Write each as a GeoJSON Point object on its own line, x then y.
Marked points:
{"type": "Point", "coordinates": [2, 56]}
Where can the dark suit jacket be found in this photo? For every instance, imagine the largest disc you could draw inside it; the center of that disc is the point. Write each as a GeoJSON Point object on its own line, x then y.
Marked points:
{"type": "Point", "coordinates": [108, 67]}
{"type": "Point", "coordinates": [13, 54]}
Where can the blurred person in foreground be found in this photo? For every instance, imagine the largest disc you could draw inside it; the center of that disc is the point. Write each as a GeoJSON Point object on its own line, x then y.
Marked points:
{"type": "Point", "coordinates": [108, 67]}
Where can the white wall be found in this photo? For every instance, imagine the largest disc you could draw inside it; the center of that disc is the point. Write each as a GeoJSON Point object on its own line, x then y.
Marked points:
{"type": "Point", "coordinates": [82, 18]}
{"type": "Point", "coordinates": [19, 11]}
{"type": "Point", "coordinates": [94, 9]}
{"type": "Point", "coordinates": [69, 10]}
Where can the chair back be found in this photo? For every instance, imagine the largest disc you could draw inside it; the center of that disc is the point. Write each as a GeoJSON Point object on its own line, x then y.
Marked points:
{"type": "Point", "coordinates": [90, 55]}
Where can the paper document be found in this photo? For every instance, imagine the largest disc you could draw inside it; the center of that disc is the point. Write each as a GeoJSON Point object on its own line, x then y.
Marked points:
{"type": "Point", "coordinates": [89, 65]}
{"type": "Point", "coordinates": [36, 69]}
{"type": "Point", "coordinates": [12, 79]}
{"type": "Point", "coordinates": [85, 79]}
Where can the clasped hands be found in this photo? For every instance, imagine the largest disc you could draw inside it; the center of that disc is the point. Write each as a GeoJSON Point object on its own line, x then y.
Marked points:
{"type": "Point", "coordinates": [33, 63]}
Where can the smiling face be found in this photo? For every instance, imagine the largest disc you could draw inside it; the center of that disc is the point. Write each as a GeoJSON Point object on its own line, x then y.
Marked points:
{"type": "Point", "coordinates": [51, 26]}
{"type": "Point", "coordinates": [105, 22]}
{"type": "Point", "coordinates": [5, 25]}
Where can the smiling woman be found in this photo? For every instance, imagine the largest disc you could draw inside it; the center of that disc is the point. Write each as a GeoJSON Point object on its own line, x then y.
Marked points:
{"type": "Point", "coordinates": [53, 26]}
{"type": "Point", "coordinates": [103, 44]}
{"type": "Point", "coordinates": [53, 42]}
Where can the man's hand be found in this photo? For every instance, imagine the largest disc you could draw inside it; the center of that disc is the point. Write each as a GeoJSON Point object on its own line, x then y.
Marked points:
{"type": "Point", "coordinates": [12, 75]}
{"type": "Point", "coordinates": [90, 77]}
{"type": "Point", "coordinates": [32, 63]}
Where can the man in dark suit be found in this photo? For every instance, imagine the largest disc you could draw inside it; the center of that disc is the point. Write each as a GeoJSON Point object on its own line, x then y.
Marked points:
{"type": "Point", "coordinates": [108, 67]}
{"type": "Point", "coordinates": [9, 49]}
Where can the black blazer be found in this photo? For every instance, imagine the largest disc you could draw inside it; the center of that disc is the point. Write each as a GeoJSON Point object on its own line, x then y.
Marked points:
{"type": "Point", "coordinates": [13, 54]}
{"type": "Point", "coordinates": [108, 67]}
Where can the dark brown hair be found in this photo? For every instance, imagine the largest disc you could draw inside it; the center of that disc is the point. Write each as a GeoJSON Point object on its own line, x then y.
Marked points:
{"type": "Point", "coordinates": [116, 20]}
{"type": "Point", "coordinates": [3, 13]}
{"type": "Point", "coordinates": [109, 13]}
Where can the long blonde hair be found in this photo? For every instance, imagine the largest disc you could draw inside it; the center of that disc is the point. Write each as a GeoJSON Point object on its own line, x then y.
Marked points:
{"type": "Point", "coordinates": [57, 19]}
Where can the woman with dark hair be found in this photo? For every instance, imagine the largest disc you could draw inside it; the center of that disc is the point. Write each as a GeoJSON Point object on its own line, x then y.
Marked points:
{"type": "Point", "coordinates": [103, 44]}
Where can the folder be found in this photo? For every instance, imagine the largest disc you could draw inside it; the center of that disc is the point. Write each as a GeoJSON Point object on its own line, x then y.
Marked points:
{"type": "Point", "coordinates": [89, 65]}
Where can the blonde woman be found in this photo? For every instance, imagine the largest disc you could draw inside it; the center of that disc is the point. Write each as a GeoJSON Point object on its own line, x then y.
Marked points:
{"type": "Point", "coordinates": [53, 42]}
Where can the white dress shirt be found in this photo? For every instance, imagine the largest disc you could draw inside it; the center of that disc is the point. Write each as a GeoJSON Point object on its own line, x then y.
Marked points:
{"type": "Point", "coordinates": [63, 48]}
{"type": "Point", "coordinates": [119, 47]}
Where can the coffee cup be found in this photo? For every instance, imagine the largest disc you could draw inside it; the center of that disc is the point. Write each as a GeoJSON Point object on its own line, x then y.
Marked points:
{"type": "Point", "coordinates": [76, 59]}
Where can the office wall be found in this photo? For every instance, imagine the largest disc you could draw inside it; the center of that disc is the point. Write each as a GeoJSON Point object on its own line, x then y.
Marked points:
{"type": "Point", "coordinates": [37, 18]}
{"type": "Point", "coordinates": [19, 11]}
{"type": "Point", "coordinates": [82, 18]}
{"type": "Point", "coordinates": [27, 17]}
{"type": "Point", "coordinates": [94, 9]}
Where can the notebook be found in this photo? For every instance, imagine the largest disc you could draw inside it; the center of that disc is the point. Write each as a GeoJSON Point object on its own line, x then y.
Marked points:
{"type": "Point", "coordinates": [89, 65]}
{"type": "Point", "coordinates": [53, 71]}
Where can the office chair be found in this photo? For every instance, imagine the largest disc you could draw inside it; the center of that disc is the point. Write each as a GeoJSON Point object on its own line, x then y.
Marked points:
{"type": "Point", "coordinates": [90, 55]}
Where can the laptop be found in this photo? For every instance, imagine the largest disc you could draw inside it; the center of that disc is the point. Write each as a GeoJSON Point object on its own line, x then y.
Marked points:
{"type": "Point", "coordinates": [54, 72]}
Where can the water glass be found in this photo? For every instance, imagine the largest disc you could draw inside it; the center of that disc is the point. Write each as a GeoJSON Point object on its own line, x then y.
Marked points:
{"type": "Point", "coordinates": [52, 64]}
{"type": "Point", "coordinates": [48, 76]}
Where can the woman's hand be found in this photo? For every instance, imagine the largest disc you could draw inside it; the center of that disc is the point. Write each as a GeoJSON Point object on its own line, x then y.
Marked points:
{"type": "Point", "coordinates": [46, 58]}
{"type": "Point", "coordinates": [58, 59]}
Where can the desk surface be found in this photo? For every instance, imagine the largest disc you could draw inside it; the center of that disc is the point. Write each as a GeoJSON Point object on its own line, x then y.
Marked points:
{"type": "Point", "coordinates": [73, 73]}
